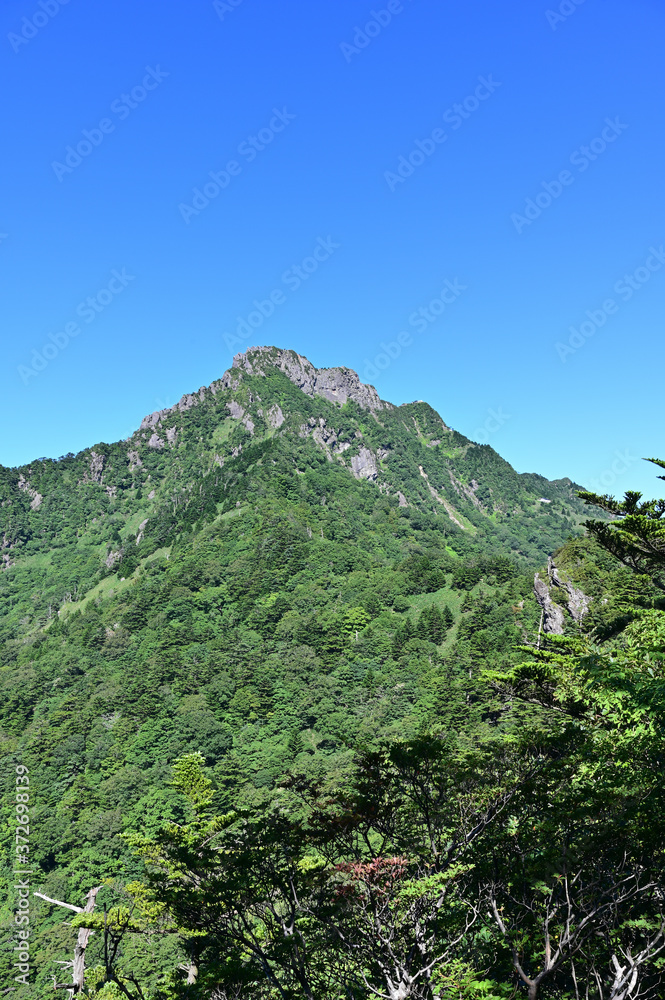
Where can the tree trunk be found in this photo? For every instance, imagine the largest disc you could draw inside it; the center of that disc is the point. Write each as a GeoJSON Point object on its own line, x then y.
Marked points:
{"type": "Point", "coordinates": [78, 972]}
{"type": "Point", "coordinates": [78, 965]}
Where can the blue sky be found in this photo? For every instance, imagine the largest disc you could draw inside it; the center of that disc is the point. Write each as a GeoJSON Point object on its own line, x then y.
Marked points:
{"type": "Point", "coordinates": [436, 195]}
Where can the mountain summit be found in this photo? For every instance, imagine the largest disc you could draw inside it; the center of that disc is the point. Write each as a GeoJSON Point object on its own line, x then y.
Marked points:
{"type": "Point", "coordinates": [277, 568]}
{"type": "Point", "coordinates": [272, 408]}
{"type": "Point", "coordinates": [338, 385]}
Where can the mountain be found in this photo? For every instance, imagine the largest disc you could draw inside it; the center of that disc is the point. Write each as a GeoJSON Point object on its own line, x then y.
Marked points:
{"type": "Point", "coordinates": [272, 411]}
{"type": "Point", "coordinates": [277, 568]}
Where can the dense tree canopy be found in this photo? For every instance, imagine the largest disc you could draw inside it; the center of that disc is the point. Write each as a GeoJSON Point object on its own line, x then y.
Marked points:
{"type": "Point", "coordinates": [304, 734]}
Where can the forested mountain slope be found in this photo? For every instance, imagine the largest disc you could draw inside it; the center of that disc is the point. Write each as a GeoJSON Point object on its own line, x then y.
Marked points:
{"type": "Point", "coordinates": [278, 569]}
{"type": "Point", "coordinates": [65, 524]}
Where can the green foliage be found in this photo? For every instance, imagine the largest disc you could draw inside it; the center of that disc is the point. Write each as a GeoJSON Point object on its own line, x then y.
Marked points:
{"type": "Point", "coordinates": [189, 778]}
{"type": "Point", "coordinates": [637, 537]}
{"type": "Point", "coordinates": [182, 626]}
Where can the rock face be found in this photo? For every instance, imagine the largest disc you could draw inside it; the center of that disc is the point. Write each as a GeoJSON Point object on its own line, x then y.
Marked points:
{"type": "Point", "coordinates": [235, 409]}
{"type": "Point", "coordinates": [577, 603]}
{"type": "Point", "coordinates": [37, 498]}
{"type": "Point", "coordinates": [275, 417]}
{"type": "Point", "coordinates": [186, 403]}
{"type": "Point", "coordinates": [96, 467]}
{"type": "Point", "coordinates": [335, 384]}
{"type": "Point", "coordinates": [553, 620]}
{"type": "Point", "coordinates": [364, 465]}
{"type": "Point", "coordinates": [450, 510]}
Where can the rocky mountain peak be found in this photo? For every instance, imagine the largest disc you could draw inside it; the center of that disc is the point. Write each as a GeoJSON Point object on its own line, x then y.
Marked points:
{"type": "Point", "coordinates": [335, 384]}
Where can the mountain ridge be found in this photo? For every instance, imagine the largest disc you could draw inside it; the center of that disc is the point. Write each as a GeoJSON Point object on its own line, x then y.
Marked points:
{"type": "Point", "coordinates": [337, 384]}
{"type": "Point", "coordinates": [272, 397]}
{"type": "Point", "coordinates": [276, 569]}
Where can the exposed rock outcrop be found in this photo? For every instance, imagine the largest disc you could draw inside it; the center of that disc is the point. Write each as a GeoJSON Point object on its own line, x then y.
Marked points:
{"type": "Point", "coordinates": [450, 510]}
{"type": "Point", "coordinates": [335, 384]}
{"type": "Point", "coordinates": [36, 498]}
{"type": "Point", "coordinates": [577, 602]}
{"type": "Point", "coordinates": [185, 403]}
{"type": "Point", "coordinates": [324, 436]}
{"type": "Point", "coordinates": [235, 409]}
{"type": "Point", "coordinates": [96, 467]}
{"type": "Point", "coordinates": [553, 619]}
{"type": "Point", "coordinates": [238, 413]}
{"type": "Point", "coordinates": [468, 491]}
{"type": "Point", "coordinates": [338, 385]}
{"type": "Point", "coordinates": [6, 562]}
{"type": "Point", "coordinates": [275, 417]}
{"type": "Point", "coordinates": [364, 465]}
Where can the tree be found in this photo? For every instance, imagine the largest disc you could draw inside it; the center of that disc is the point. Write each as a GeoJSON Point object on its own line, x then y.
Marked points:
{"type": "Point", "coordinates": [295, 742]}
{"type": "Point", "coordinates": [637, 537]}
{"type": "Point", "coordinates": [577, 884]}
{"type": "Point", "coordinates": [78, 965]}
{"type": "Point", "coordinates": [404, 632]}
{"type": "Point", "coordinates": [346, 891]}
{"type": "Point", "coordinates": [431, 625]}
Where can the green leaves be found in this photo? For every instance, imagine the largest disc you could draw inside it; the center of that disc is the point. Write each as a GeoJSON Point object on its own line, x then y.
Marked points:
{"type": "Point", "coordinates": [431, 885]}
{"type": "Point", "coordinates": [117, 919]}
{"type": "Point", "coordinates": [637, 537]}
{"type": "Point", "coordinates": [190, 779]}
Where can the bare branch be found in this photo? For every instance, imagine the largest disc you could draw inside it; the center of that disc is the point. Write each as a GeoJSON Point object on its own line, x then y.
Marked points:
{"type": "Point", "coordinates": [58, 902]}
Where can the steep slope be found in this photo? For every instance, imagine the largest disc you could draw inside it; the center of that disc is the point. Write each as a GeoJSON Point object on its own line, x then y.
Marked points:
{"type": "Point", "coordinates": [66, 524]}
{"type": "Point", "coordinates": [277, 568]}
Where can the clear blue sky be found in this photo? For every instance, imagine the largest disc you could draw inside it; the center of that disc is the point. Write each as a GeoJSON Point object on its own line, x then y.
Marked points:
{"type": "Point", "coordinates": [170, 93]}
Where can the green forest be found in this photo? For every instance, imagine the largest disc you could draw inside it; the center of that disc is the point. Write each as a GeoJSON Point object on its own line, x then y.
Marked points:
{"type": "Point", "coordinates": [306, 696]}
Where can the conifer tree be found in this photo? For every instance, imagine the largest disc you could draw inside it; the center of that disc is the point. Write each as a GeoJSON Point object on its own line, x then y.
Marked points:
{"type": "Point", "coordinates": [295, 743]}
{"type": "Point", "coordinates": [405, 631]}
{"type": "Point", "coordinates": [447, 618]}
{"type": "Point", "coordinates": [637, 536]}
{"type": "Point", "coordinates": [424, 625]}
{"type": "Point", "coordinates": [431, 625]}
